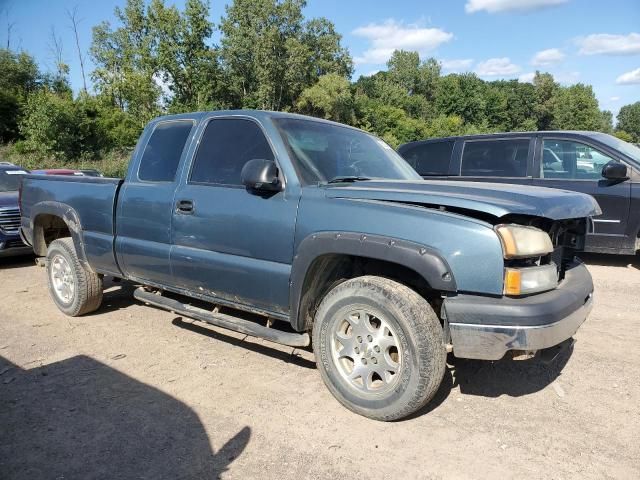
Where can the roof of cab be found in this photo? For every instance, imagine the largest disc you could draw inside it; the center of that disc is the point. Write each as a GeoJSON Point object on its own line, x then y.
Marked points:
{"type": "Point", "coordinates": [563, 133]}
{"type": "Point", "coordinates": [257, 114]}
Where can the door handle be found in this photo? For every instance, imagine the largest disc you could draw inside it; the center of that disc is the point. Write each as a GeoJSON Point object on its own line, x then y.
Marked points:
{"type": "Point", "coordinates": [185, 207]}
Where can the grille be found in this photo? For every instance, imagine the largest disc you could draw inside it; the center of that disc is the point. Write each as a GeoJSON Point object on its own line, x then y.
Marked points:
{"type": "Point", "coordinates": [568, 238]}
{"type": "Point", "coordinates": [9, 220]}
{"type": "Point", "coordinates": [14, 244]}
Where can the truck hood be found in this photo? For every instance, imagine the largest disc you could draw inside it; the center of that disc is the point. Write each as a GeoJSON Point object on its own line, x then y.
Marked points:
{"type": "Point", "coordinates": [495, 199]}
{"type": "Point", "coordinates": [8, 199]}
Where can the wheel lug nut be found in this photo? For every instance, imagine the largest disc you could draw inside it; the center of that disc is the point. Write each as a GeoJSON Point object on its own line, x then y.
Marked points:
{"type": "Point", "coordinates": [357, 350]}
{"type": "Point", "coordinates": [364, 361]}
{"type": "Point", "coordinates": [370, 338]}
{"type": "Point", "coordinates": [376, 349]}
{"type": "Point", "coordinates": [359, 339]}
{"type": "Point", "coordinates": [374, 360]}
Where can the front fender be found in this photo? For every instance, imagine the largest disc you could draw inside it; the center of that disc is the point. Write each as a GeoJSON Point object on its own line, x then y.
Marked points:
{"type": "Point", "coordinates": [425, 261]}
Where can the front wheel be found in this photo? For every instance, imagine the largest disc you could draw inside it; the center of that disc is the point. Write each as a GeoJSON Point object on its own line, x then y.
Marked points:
{"type": "Point", "coordinates": [379, 347]}
{"type": "Point", "coordinates": [75, 289]}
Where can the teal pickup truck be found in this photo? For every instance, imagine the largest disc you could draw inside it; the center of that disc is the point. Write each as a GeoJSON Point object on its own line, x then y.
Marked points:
{"type": "Point", "coordinates": [327, 235]}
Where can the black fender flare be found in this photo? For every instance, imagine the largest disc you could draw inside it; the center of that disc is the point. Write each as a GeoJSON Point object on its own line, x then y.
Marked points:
{"type": "Point", "coordinates": [70, 218]}
{"type": "Point", "coordinates": [422, 259]}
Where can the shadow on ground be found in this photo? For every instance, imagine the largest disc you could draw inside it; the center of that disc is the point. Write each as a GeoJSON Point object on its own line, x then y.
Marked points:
{"type": "Point", "coordinates": [20, 261]}
{"type": "Point", "coordinates": [610, 260]}
{"type": "Point", "coordinates": [116, 296]}
{"type": "Point", "coordinates": [267, 350]}
{"type": "Point", "coordinates": [506, 376]}
{"type": "Point", "coordinates": [493, 379]}
{"type": "Point", "coordinates": [79, 418]}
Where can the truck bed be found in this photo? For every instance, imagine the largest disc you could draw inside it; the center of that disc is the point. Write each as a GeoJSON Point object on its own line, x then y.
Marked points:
{"type": "Point", "coordinates": [88, 205]}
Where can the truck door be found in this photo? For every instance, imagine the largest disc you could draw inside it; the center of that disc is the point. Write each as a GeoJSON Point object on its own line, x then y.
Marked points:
{"type": "Point", "coordinates": [575, 165]}
{"type": "Point", "coordinates": [145, 203]}
{"type": "Point", "coordinates": [229, 242]}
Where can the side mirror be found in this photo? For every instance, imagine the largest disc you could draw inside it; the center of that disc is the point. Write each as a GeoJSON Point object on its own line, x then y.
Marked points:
{"type": "Point", "coordinates": [615, 171]}
{"type": "Point", "coordinates": [261, 175]}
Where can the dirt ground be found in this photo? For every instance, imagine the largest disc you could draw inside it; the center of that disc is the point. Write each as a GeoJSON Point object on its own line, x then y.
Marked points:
{"type": "Point", "coordinates": [134, 392]}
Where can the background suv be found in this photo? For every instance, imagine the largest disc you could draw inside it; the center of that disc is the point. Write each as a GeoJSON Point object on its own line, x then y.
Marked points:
{"type": "Point", "coordinates": [589, 162]}
{"type": "Point", "coordinates": [10, 242]}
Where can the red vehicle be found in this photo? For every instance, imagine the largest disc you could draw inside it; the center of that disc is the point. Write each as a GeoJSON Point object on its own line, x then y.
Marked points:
{"type": "Point", "coordinates": [57, 171]}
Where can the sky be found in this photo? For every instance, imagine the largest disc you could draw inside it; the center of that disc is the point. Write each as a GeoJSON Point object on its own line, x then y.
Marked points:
{"type": "Point", "coordinates": [591, 41]}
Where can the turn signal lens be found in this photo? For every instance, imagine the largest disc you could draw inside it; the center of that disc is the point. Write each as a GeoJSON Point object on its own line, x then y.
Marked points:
{"type": "Point", "coordinates": [512, 281]}
{"type": "Point", "coordinates": [523, 281]}
{"type": "Point", "coordinates": [519, 241]}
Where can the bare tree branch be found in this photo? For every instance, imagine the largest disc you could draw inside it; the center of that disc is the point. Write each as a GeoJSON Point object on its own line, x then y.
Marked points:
{"type": "Point", "coordinates": [55, 49]}
{"type": "Point", "coordinates": [72, 15]}
{"type": "Point", "coordinates": [10, 26]}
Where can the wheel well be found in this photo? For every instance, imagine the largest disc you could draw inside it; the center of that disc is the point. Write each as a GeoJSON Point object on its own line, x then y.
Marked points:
{"type": "Point", "coordinates": [46, 229]}
{"type": "Point", "coordinates": [329, 270]}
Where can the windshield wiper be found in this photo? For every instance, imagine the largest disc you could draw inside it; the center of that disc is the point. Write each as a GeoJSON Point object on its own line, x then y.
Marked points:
{"type": "Point", "coordinates": [348, 179]}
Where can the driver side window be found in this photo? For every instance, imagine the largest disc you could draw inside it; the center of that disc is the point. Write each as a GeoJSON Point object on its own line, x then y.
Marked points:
{"type": "Point", "coordinates": [571, 160]}
{"type": "Point", "coordinates": [227, 144]}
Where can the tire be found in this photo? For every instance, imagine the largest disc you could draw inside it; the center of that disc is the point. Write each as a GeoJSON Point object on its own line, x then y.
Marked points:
{"type": "Point", "coordinates": [75, 289]}
{"type": "Point", "coordinates": [400, 331]}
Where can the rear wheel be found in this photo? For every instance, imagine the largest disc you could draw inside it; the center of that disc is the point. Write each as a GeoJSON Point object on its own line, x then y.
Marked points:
{"type": "Point", "coordinates": [76, 290]}
{"type": "Point", "coordinates": [379, 347]}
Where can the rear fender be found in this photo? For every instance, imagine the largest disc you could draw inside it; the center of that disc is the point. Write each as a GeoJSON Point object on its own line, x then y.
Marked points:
{"type": "Point", "coordinates": [70, 218]}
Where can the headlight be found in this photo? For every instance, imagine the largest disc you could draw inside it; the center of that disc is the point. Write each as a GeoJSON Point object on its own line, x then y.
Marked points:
{"type": "Point", "coordinates": [522, 281]}
{"type": "Point", "coordinates": [519, 241]}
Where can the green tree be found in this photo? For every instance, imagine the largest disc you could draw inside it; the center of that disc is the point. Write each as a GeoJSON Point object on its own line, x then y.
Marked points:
{"type": "Point", "coordinates": [19, 78]}
{"type": "Point", "coordinates": [447, 126]}
{"type": "Point", "coordinates": [622, 135]}
{"type": "Point", "coordinates": [521, 101]}
{"type": "Point", "coordinates": [606, 121]}
{"type": "Point", "coordinates": [270, 54]}
{"type": "Point", "coordinates": [55, 126]}
{"type": "Point", "coordinates": [629, 120]}
{"type": "Point", "coordinates": [186, 64]}
{"type": "Point", "coordinates": [330, 98]}
{"type": "Point", "coordinates": [416, 77]}
{"type": "Point", "coordinates": [546, 89]}
{"type": "Point", "coordinates": [462, 95]}
{"type": "Point", "coordinates": [126, 65]}
{"type": "Point", "coordinates": [391, 123]}
{"type": "Point", "coordinates": [117, 128]}
{"type": "Point", "coordinates": [497, 106]}
{"type": "Point", "coordinates": [576, 108]}
{"type": "Point", "coordinates": [383, 89]}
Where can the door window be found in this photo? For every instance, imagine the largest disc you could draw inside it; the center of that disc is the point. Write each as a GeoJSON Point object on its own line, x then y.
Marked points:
{"type": "Point", "coordinates": [431, 158]}
{"type": "Point", "coordinates": [227, 145]}
{"type": "Point", "coordinates": [495, 158]}
{"type": "Point", "coordinates": [567, 159]}
{"type": "Point", "coordinates": [162, 153]}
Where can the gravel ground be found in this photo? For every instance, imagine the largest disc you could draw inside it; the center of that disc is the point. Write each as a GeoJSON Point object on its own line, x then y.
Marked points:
{"type": "Point", "coordinates": [134, 392]}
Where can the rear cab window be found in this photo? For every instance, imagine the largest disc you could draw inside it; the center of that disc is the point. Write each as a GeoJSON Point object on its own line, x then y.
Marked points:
{"type": "Point", "coordinates": [431, 158]}
{"type": "Point", "coordinates": [161, 156]}
{"type": "Point", "coordinates": [495, 158]}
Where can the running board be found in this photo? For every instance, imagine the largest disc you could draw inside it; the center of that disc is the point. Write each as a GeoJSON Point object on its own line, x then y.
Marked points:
{"type": "Point", "coordinates": [223, 321]}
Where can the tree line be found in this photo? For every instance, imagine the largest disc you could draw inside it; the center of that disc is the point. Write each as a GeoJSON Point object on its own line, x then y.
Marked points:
{"type": "Point", "coordinates": [158, 59]}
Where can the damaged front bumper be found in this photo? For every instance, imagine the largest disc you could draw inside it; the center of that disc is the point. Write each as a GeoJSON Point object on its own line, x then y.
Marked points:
{"type": "Point", "coordinates": [486, 328]}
